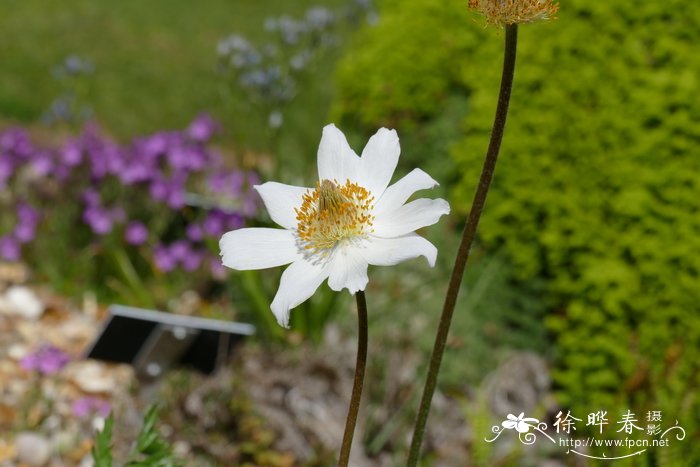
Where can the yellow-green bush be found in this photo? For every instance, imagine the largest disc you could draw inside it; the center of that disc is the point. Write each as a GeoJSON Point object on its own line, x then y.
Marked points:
{"type": "Point", "coordinates": [598, 186]}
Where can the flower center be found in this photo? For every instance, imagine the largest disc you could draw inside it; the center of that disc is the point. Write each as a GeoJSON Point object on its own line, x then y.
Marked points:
{"type": "Point", "coordinates": [333, 213]}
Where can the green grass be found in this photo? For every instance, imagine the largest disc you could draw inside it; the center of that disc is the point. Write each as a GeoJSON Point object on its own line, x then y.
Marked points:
{"type": "Point", "coordinates": [155, 65]}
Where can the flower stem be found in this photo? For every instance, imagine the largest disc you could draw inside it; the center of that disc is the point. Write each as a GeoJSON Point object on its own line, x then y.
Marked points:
{"type": "Point", "coordinates": [359, 379]}
{"type": "Point", "coordinates": [468, 236]}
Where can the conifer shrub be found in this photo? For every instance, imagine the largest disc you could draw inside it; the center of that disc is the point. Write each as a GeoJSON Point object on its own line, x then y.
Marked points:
{"type": "Point", "coordinates": [598, 185]}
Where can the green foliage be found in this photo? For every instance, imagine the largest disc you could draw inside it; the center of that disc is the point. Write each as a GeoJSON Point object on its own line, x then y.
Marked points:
{"type": "Point", "coordinates": [597, 187]}
{"type": "Point", "coordinates": [102, 450]}
{"type": "Point", "coordinates": [150, 450]}
{"type": "Point", "coordinates": [406, 73]}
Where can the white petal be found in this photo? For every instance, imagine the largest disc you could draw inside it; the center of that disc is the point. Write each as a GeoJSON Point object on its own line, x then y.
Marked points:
{"type": "Point", "coordinates": [348, 270]}
{"type": "Point", "coordinates": [509, 424]}
{"type": "Point", "coordinates": [378, 161]}
{"type": "Point", "coordinates": [280, 201]}
{"type": "Point", "coordinates": [391, 251]}
{"type": "Point", "coordinates": [258, 248]}
{"type": "Point", "coordinates": [336, 160]}
{"type": "Point", "coordinates": [409, 217]}
{"type": "Point", "coordinates": [299, 282]}
{"type": "Point", "coordinates": [396, 195]}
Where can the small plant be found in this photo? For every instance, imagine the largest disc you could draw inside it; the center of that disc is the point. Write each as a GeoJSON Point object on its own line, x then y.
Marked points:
{"type": "Point", "coordinates": [268, 76]}
{"type": "Point", "coordinates": [91, 213]}
{"type": "Point", "coordinates": [150, 448]}
{"type": "Point", "coordinates": [71, 106]}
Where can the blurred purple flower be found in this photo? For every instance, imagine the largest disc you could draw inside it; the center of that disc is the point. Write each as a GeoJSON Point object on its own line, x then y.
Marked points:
{"type": "Point", "coordinates": [234, 221]}
{"type": "Point", "coordinates": [10, 248]}
{"type": "Point", "coordinates": [42, 164]}
{"type": "Point", "coordinates": [194, 232]}
{"type": "Point", "coordinates": [7, 169]}
{"type": "Point", "coordinates": [72, 154]}
{"type": "Point", "coordinates": [227, 183]}
{"type": "Point", "coordinates": [217, 269]}
{"type": "Point", "coordinates": [180, 250]}
{"type": "Point", "coordinates": [16, 142]}
{"type": "Point", "coordinates": [136, 171]}
{"type": "Point", "coordinates": [163, 259]}
{"type": "Point", "coordinates": [202, 128]}
{"type": "Point", "coordinates": [192, 260]}
{"type": "Point", "coordinates": [179, 253]}
{"type": "Point", "coordinates": [89, 405]}
{"type": "Point", "coordinates": [91, 197]}
{"type": "Point", "coordinates": [136, 233]}
{"type": "Point", "coordinates": [27, 214]}
{"type": "Point", "coordinates": [171, 192]}
{"type": "Point", "coordinates": [252, 178]}
{"type": "Point", "coordinates": [215, 223]}
{"type": "Point", "coordinates": [24, 233]}
{"type": "Point", "coordinates": [99, 220]}
{"type": "Point", "coordinates": [46, 360]}
{"type": "Point", "coordinates": [153, 146]}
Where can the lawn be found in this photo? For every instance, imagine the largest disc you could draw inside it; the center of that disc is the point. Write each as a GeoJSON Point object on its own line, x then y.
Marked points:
{"type": "Point", "coordinates": [155, 65]}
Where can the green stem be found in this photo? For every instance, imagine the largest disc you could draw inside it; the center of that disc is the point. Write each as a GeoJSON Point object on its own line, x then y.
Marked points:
{"type": "Point", "coordinates": [468, 236]}
{"type": "Point", "coordinates": [359, 379]}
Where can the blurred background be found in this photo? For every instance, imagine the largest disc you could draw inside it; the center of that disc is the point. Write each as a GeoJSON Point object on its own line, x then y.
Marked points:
{"type": "Point", "coordinates": [131, 134]}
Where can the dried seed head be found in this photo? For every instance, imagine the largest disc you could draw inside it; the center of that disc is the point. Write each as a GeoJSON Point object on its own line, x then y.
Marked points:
{"type": "Point", "coordinates": [505, 12]}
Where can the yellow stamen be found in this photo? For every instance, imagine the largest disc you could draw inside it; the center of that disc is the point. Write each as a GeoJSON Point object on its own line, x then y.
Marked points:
{"type": "Point", "coordinates": [333, 213]}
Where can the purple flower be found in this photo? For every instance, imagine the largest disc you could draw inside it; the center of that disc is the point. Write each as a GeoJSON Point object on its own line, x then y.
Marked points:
{"type": "Point", "coordinates": [72, 154]}
{"type": "Point", "coordinates": [91, 197]}
{"type": "Point", "coordinates": [218, 271]}
{"type": "Point", "coordinates": [227, 183]}
{"type": "Point", "coordinates": [154, 145]}
{"type": "Point", "coordinates": [88, 406]}
{"type": "Point", "coordinates": [7, 169]}
{"type": "Point", "coordinates": [136, 171]}
{"type": "Point", "coordinates": [99, 220]}
{"type": "Point", "coordinates": [16, 141]}
{"type": "Point", "coordinates": [180, 250]}
{"type": "Point", "coordinates": [179, 253]}
{"type": "Point", "coordinates": [28, 219]}
{"type": "Point", "coordinates": [215, 223]}
{"type": "Point", "coordinates": [47, 360]}
{"type": "Point", "coordinates": [10, 248]}
{"type": "Point", "coordinates": [234, 221]}
{"type": "Point", "coordinates": [163, 259]}
{"type": "Point", "coordinates": [172, 191]}
{"type": "Point", "coordinates": [202, 128]}
{"type": "Point", "coordinates": [192, 260]}
{"type": "Point", "coordinates": [195, 232]}
{"type": "Point", "coordinates": [24, 233]}
{"type": "Point", "coordinates": [42, 164]}
{"type": "Point", "coordinates": [136, 233]}
{"type": "Point", "coordinates": [27, 214]}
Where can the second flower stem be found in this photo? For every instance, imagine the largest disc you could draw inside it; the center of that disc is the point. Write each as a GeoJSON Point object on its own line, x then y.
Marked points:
{"type": "Point", "coordinates": [358, 381]}
{"type": "Point", "coordinates": [468, 236]}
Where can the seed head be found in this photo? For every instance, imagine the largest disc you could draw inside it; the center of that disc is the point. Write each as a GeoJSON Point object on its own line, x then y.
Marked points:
{"type": "Point", "coordinates": [506, 12]}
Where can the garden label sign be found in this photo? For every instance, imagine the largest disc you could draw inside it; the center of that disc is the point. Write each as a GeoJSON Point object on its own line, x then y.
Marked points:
{"type": "Point", "coordinates": [153, 341]}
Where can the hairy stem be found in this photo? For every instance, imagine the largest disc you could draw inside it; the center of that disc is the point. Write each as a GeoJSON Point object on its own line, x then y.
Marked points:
{"type": "Point", "coordinates": [465, 245]}
{"type": "Point", "coordinates": [358, 381]}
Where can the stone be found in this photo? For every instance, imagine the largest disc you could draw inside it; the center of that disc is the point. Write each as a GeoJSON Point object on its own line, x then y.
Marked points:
{"type": "Point", "coordinates": [92, 377]}
{"type": "Point", "coordinates": [21, 301]}
{"type": "Point", "coordinates": [32, 449]}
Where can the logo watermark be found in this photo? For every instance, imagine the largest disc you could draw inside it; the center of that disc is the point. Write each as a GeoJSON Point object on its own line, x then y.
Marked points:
{"type": "Point", "coordinates": [654, 433]}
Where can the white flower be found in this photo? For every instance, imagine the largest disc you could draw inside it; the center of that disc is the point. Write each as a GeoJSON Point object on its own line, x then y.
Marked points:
{"type": "Point", "coordinates": [519, 423]}
{"type": "Point", "coordinates": [334, 231]}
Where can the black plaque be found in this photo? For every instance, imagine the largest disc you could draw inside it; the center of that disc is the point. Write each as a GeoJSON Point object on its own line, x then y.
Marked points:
{"type": "Point", "coordinates": [153, 341]}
